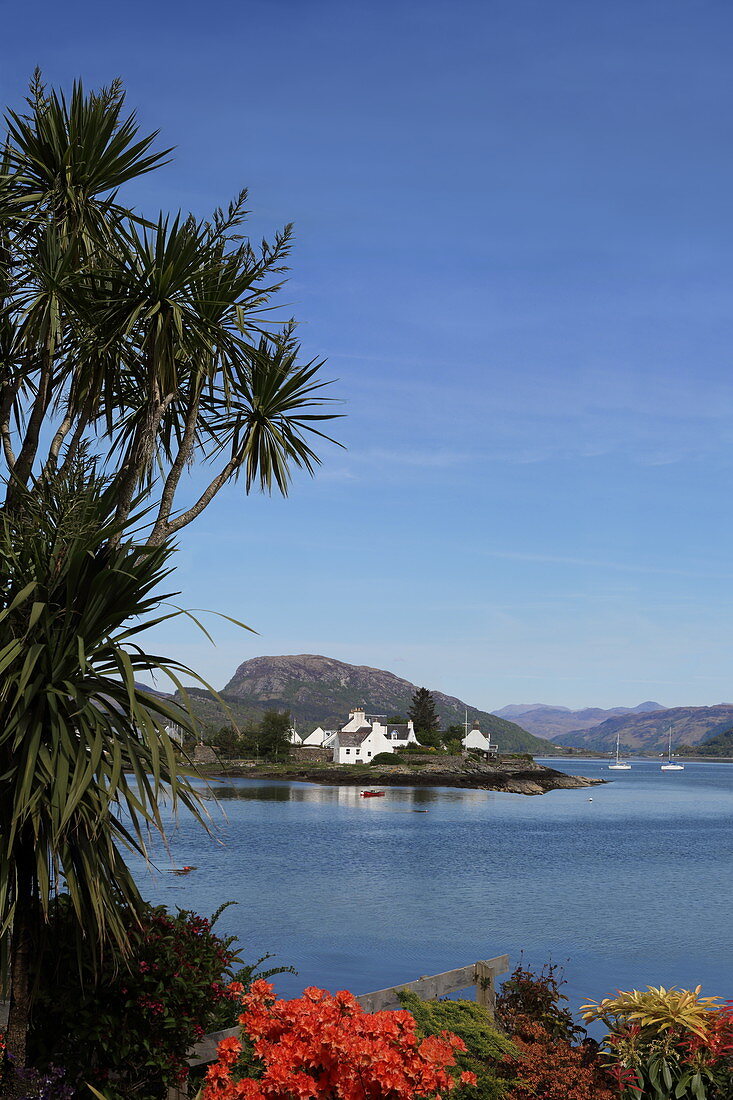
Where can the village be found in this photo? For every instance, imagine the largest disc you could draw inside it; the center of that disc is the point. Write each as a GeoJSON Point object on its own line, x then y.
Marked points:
{"type": "Point", "coordinates": [366, 736]}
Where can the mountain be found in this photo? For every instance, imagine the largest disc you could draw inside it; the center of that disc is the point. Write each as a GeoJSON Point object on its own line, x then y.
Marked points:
{"type": "Point", "coordinates": [721, 744]}
{"type": "Point", "coordinates": [515, 710]}
{"type": "Point", "coordinates": [320, 691]}
{"type": "Point", "coordinates": [544, 720]}
{"type": "Point", "coordinates": [650, 730]}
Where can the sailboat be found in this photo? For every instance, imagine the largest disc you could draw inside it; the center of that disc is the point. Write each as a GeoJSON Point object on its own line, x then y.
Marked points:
{"type": "Point", "coordinates": [669, 766]}
{"type": "Point", "coordinates": [619, 765]}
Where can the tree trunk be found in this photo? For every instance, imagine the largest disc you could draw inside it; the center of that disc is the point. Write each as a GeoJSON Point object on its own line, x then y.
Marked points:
{"type": "Point", "coordinates": [22, 944]}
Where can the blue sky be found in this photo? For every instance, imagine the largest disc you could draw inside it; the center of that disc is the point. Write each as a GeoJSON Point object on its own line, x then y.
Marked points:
{"type": "Point", "coordinates": [514, 244]}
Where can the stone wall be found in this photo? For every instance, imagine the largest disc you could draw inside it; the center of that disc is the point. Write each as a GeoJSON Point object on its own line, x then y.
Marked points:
{"type": "Point", "coordinates": [204, 754]}
{"type": "Point", "coordinates": [307, 754]}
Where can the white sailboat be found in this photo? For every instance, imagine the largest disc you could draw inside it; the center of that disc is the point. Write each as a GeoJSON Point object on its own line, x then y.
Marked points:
{"type": "Point", "coordinates": [670, 766]}
{"type": "Point", "coordinates": [619, 765]}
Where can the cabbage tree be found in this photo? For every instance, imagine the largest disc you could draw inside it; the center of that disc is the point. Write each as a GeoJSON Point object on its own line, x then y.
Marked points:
{"type": "Point", "coordinates": [86, 760]}
{"type": "Point", "coordinates": [151, 339]}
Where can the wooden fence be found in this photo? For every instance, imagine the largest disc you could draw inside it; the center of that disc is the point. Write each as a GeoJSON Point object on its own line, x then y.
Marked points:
{"type": "Point", "coordinates": [482, 974]}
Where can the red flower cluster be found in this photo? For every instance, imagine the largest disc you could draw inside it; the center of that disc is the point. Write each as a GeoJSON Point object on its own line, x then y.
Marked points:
{"type": "Point", "coordinates": [717, 1043]}
{"type": "Point", "coordinates": [324, 1047]}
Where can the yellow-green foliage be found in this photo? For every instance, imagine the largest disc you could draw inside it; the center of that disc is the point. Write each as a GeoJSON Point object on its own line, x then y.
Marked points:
{"type": "Point", "coordinates": [485, 1046]}
{"type": "Point", "coordinates": [655, 1010]}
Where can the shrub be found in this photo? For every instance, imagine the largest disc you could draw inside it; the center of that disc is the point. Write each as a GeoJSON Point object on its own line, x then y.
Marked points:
{"type": "Point", "coordinates": [128, 1028]}
{"type": "Point", "coordinates": [554, 1069]}
{"type": "Point", "coordinates": [668, 1042]}
{"type": "Point", "coordinates": [324, 1046]}
{"type": "Point", "coordinates": [486, 1048]}
{"type": "Point", "coordinates": [387, 758]}
{"type": "Point", "coordinates": [549, 1065]}
{"type": "Point", "coordinates": [537, 997]}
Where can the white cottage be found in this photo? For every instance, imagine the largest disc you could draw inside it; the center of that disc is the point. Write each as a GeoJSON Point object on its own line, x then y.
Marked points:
{"type": "Point", "coordinates": [365, 735]}
{"type": "Point", "coordinates": [478, 740]}
{"type": "Point", "coordinates": [318, 737]}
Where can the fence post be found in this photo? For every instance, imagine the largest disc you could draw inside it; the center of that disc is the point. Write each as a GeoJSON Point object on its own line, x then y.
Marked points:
{"type": "Point", "coordinates": [486, 987]}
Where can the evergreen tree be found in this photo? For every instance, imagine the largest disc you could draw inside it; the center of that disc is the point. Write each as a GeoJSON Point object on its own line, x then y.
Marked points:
{"type": "Point", "coordinates": [274, 740]}
{"type": "Point", "coordinates": [227, 741]}
{"type": "Point", "coordinates": [423, 713]}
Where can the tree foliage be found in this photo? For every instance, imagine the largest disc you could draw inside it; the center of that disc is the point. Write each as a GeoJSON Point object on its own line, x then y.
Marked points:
{"type": "Point", "coordinates": [273, 734]}
{"type": "Point", "coordinates": [423, 713]}
{"type": "Point", "coordinates": [151, 338]}
{"type": "Point", "coordinates": [127, 1027]}
{"type": "Point", "coordinates": [268, 736]}
{"type": "Point", "coordinates": [85, 759]}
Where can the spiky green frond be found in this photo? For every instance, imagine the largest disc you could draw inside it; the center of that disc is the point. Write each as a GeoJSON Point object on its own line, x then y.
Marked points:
{"type": "Point", "coordinates": [85, 757]}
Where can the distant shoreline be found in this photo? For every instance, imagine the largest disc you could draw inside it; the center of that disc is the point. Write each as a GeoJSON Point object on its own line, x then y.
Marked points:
{"type": "Point", "coordinates": [641, 759]}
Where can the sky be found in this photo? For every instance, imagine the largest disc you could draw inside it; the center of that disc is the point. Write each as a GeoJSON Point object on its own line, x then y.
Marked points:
{"type": "Point", "coordinates": [513, 247]}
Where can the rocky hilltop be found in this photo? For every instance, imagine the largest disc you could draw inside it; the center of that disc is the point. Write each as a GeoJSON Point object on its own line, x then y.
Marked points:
{"type": "Point", "coordinates": [650, 732]}
{"type": "Point", "coordinates": [555, 722]}
{"type": "Point", "coordinates": [320, 691]}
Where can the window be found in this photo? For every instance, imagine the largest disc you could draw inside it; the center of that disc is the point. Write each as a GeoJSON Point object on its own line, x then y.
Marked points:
{"type": "Point", "coordinates": [347, 751]}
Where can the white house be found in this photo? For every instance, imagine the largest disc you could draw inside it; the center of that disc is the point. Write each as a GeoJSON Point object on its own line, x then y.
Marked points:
{"type": "Point", "coordinates": [365, 735]}
{"type": "Point", "coordinates": [318, 737]}
{"type": "Point", "coordinates": [175, 732]}
{"type": "Point", "coordinates": [294, 737]}
{"type": "Point", "coordinates": [477, 740]}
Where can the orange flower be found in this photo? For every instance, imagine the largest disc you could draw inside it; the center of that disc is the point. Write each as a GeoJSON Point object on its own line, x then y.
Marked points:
{"type": "Point", "coordinates": [324, 1047]}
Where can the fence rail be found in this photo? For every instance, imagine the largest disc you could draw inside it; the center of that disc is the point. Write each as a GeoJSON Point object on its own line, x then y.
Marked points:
{"type": "Point", "coordinates": [482, 974]}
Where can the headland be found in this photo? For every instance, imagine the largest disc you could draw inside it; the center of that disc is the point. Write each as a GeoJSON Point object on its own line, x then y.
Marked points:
{"type": "Point", "coordinates": [511, 774]}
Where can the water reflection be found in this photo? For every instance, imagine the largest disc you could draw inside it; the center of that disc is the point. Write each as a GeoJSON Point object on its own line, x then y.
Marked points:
{"type": "Point", "coordinates": [407, 798]}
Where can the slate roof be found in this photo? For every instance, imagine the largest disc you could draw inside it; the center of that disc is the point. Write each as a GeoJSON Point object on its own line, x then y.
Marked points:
{"type": "Point", "coordinates": [354, 738]}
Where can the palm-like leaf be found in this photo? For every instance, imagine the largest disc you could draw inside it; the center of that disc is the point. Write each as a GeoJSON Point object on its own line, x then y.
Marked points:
{"type": "Point", "coordinates": [85, 759]}
{"type": "Point", "coordinates": [70, 157]}
{"type": "Point", "coordinates": [268, 419]}
{"type": "Point", "coordinates": [155, 340]}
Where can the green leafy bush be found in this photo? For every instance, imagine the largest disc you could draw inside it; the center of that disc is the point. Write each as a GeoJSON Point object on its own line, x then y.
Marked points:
{"type": "Point", "coordinates": [668, 1042]}
{"type": "Point", "coordinates": [387, 758]}
{"type": "Point", "coordinates": [486, 1047]}
{"type": "Point", "coordinates": [128, 1028]}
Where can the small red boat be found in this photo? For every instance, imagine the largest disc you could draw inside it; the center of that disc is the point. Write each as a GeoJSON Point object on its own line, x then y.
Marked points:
{"type": "Point", "coordinates": [372, 794]}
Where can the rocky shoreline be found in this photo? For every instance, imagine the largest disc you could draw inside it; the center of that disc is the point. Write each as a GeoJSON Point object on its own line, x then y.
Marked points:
{"type": "Point", "coordinates": [508, 774]}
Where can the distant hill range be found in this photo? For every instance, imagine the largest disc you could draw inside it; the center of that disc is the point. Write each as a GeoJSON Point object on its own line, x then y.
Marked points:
{"type": "Point", "coordinates": [544, 720]}
{"type": "Point", "coordinates": [650, 731]}
{"type": "Point", "coordinates": [320, 691]}
{"type": "Point", "coordinates": [721, 744]}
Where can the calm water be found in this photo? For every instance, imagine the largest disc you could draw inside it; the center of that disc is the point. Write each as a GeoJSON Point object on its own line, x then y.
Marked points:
{"type": "Point", "coordinates": [633, 888]}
